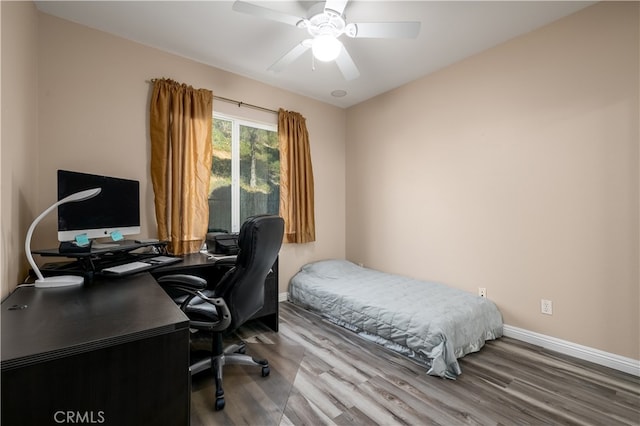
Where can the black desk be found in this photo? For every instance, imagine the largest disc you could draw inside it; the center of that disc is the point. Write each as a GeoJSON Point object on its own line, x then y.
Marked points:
{"type": "Point", "coordinates": [203, 266]}
{"type": "Point", "coordinates": [114, 352]}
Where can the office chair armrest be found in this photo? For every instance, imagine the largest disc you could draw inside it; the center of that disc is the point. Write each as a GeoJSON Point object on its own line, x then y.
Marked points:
{"type": "Point", "coordinates": [224, 315]}
{"type": "Point", "coordinates": [226, 262]}
{"type": "Point", "coordinates": [189, 285]}
{"type": "Point", "coordinates": [183, 281]}
{"type": "Point", "coordinates": [192, 286]}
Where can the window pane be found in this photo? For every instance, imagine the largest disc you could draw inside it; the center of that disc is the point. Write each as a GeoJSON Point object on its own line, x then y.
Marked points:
{"type": "Point", "coordinates": [220, 185]}
{"type": "Point", "coordinates": [259, 172]}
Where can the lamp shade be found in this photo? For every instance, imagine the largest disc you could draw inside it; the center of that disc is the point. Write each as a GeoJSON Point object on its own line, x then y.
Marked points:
{"type": "Point", "coordinates": [63, 280]}
{"type": "Point", "coordinates": [326, 48]}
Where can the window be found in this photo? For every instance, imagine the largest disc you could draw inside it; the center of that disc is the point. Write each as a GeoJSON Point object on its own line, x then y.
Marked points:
{"type": "Point", "coordinates": [245, 172]}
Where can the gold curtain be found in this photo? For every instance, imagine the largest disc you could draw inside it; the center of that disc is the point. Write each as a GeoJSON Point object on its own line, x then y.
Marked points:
{"type": "Point", "coordinates": [296, 178]}
{"type": "Point", "coordinates": [180, 128]}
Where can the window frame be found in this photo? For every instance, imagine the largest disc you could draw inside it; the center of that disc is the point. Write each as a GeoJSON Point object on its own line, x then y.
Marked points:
{"type": "Point", "coordinates": [236, 122]}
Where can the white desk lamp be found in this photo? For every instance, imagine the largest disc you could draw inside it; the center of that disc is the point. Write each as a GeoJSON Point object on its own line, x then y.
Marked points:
{"type": "Point", "coordinates": [61, 280]}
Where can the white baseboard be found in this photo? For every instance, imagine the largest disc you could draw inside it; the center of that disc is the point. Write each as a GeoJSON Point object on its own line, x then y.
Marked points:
{"type": "Point", "coordinates": [617, 362]}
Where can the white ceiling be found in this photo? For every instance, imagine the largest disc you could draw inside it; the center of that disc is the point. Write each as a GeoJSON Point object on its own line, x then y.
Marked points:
{"type": "Point", "coordinates": [212, 33]}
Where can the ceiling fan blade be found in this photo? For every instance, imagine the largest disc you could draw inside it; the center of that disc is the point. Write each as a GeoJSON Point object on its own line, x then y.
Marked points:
{"type": "Point", "coordinates": [383, 30]}
{"type": "Point", "coordinates": [290, 56]}
{"type": "Point", "coordinates": [346, 65]}
{"type": "Point", "coordinates": [335, 5]}
{"type": "Point", "coordinates": [263, 12]}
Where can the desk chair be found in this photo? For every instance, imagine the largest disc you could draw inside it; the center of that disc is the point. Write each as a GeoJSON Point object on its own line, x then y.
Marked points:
{"type": "Point", "coordinates": [217, 309]}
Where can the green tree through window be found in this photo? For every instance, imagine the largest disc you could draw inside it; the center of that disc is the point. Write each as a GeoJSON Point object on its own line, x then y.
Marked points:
{"type": "Point", "coordinates": [245, 172]}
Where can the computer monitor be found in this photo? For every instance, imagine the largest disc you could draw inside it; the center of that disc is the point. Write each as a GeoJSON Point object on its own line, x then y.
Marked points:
{"type": "Point", "coordinates": [115, 211]}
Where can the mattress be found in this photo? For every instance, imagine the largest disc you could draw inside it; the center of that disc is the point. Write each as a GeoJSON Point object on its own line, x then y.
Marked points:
{"type": "Point", "coordinates": [430, 322]}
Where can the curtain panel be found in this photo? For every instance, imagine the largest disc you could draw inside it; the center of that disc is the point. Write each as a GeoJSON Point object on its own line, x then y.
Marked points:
{"type": "Point", "coordinates": [296, 178]}
{"type": "Point", "coordinates": [181, 155]}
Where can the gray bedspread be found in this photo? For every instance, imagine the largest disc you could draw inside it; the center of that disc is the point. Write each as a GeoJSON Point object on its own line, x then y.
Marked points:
{"type": "Point", "coordinates": [430, 322]}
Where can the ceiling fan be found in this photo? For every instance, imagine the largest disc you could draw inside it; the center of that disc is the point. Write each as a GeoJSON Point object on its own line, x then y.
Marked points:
{"type": "Point", "coordinates": [325, 23]}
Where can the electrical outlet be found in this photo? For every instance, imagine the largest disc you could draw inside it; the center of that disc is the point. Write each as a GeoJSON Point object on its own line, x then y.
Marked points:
{"type": "Point", "coordinates": [482, 292]}
{"type": "Point", "coordinates": [546, 307]}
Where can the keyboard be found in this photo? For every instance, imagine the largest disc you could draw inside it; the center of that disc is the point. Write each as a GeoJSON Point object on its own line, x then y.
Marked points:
{"type": "Point", "coordinates": [127, 268]}
{"type": "Point", "coordinates": [136, 266]}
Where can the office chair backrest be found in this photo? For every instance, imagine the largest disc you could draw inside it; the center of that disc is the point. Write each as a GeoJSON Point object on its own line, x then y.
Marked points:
{"type": "Point", "coordinates": [242, 287]}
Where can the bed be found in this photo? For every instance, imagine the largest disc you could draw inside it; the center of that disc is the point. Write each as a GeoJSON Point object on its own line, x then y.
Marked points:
{"type": "Point", "coordinates": [430, 322]}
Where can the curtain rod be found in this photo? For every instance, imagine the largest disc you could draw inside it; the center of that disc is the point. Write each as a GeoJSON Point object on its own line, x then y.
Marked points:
{"type": "Point", "coordinates": [233, 101]}
{"type": "Point", "coordinates": [243, 104]}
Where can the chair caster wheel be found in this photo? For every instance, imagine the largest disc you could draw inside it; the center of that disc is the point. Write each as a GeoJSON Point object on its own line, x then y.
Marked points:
{"type": "Point", "coordinates": [219, 404]}
{"type": "Point", "coordinates": [265, 371]}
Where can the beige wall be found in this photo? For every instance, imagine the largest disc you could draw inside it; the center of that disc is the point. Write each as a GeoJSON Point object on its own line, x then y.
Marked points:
{"type": "Point", "coordinates": [18, 147]}
{"type": "Point", "coordinates": [92, 115]}
{"type": "Point", "coordinates": [514, 170]}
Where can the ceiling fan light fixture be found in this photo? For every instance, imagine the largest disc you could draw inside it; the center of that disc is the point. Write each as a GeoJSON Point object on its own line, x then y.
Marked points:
{"type": "Point", "coordinates": [326, 48]}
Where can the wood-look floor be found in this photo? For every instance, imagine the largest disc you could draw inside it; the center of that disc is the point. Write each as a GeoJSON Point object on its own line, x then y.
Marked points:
{"type": "Point", "coordinates": [322, 374]}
